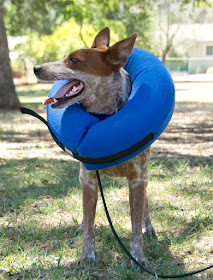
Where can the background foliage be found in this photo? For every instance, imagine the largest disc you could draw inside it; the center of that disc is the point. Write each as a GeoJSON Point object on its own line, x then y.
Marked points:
{"type": "Point", "coordinates": [53, 28]}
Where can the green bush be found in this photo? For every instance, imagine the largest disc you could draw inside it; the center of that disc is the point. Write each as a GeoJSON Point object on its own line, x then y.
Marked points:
{"type": "Point", "coordinates": [67, 37]}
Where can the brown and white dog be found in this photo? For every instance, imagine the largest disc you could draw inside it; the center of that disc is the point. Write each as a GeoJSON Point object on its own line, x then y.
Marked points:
{"type": "Point", "coordinates": [98, 80]}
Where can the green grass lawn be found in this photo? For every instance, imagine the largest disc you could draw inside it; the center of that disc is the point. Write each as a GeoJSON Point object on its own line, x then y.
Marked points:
{"type": "Point", "coordinates": [41, 204]}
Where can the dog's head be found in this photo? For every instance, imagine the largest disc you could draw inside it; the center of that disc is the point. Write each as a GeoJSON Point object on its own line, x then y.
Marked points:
{"type": "Point", "coordinates": [87, 69]}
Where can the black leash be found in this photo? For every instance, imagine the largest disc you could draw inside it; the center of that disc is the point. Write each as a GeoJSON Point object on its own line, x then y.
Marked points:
{"type": "Point", "coordinates": [61, 145]}
{"type": "Point", "coordinates": [128, 253]}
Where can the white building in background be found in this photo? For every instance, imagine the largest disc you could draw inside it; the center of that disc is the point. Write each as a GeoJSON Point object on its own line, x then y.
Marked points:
{"type": "Point", "coordinates": [197, 42]}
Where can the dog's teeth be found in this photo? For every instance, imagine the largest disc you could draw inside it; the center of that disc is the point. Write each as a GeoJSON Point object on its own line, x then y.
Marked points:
{"type": "Point", "coordinates": [55, 100]}
{"type": "Point", "coordinates": [74, 89]}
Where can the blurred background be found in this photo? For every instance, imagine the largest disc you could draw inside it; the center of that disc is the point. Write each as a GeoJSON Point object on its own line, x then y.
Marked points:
{"type": "Point", "coordinates": [179, 32]}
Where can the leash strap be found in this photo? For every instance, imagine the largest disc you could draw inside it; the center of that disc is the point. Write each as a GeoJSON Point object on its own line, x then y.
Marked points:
{"type": "Point", "coordinates": [128, 253]}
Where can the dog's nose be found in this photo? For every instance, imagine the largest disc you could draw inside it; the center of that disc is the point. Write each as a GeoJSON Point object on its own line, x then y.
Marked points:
{"type": "Point", "coordinates": [36, 69]}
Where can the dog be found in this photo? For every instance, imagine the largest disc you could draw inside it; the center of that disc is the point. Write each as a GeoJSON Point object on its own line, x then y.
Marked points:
{"type": "Point", "coordinates": [99, 82]}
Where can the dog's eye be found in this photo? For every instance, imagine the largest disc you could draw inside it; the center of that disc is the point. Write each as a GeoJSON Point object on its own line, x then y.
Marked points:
{"type": "Point", "coordinates": [73, 59]}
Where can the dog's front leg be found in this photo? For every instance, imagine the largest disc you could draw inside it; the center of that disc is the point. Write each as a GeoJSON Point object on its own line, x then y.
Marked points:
{"type": "Point", "coordinates": [89, 185]}
{"type": "Point", "coordinates": [137, 193]}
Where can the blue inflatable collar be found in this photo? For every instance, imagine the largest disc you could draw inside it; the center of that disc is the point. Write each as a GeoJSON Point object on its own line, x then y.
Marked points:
{"type": "Point", "coordinates": [101, 144]}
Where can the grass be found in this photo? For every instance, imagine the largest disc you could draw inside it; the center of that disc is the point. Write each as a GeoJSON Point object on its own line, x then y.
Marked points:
{"type": "Point", "coordinates": [33, 94]}
{"type": "Point", "coordinates": [41, 204]}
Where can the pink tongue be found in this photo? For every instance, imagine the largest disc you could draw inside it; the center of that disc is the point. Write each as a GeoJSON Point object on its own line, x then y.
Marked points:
{"type": "Point", "coordinates": [60, 93]}
{"type": "Point", "coordinates": [48, 100]}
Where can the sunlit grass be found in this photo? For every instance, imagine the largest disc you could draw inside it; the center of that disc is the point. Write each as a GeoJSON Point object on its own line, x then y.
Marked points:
{"type": "Point", "coordinates": [33, 94]}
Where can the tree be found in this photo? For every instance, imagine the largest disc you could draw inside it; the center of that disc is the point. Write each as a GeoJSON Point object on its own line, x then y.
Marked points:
{"type": "Point", "coordinates": [170, 12]}
{"type": "Point", "coordinates": [21, 16]}
{"type": "Point", "coordinates": [8, 97]}
{"type": "Point", "coordinates": [123, 18]}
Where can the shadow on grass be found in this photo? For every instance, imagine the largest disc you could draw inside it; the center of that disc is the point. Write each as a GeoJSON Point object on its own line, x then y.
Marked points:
{"type": "Point", "coordinates": [172, 162]}
{"type": "Point", "coordinates": [111, 263]}
{"type": "Point", "coordinates": [36, 178]}
{"type": "Point", "coordinates": [173, 165]}
{"type": "Point", "coordinates": [31, 179]}
{"type": "Point", "coordinates": [167, 214]}
{"type": "Point", "coordinates": [197, 133]}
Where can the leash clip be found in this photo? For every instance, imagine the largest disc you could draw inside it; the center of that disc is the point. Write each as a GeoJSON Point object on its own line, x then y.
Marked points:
{"type": "Point", "coordinates": [156, 276]}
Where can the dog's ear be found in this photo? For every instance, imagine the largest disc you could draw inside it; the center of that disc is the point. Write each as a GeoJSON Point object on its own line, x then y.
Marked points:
{"type": "Point", "coordinates": [101, 41]}
{"type": "Point", "coordinates": [117, 54]}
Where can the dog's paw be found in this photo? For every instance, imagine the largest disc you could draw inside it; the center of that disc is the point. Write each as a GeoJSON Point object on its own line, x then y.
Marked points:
{"type": "Point", "coordinates": [88, 259]}
{"type": "Point", "coordinates": [143, 261]}
{"type": "Point", "coordinates": [88, 254]}
{"type": "Point", "coordinates": [149, 232]}
{"type": "Point", "coordinates": [137, 253]}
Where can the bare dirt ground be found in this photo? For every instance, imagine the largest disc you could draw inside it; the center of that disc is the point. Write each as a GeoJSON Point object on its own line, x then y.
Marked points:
{"type": "Point", "coordinates": [190, 131]}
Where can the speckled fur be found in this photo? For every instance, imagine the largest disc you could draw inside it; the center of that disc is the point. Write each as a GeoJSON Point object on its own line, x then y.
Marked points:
{"type": "Point", "coordinates": [106, 89]}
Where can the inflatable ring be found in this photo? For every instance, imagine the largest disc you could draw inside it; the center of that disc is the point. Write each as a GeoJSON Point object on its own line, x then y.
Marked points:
{"type": "Point", "coordinates": [101, 144]}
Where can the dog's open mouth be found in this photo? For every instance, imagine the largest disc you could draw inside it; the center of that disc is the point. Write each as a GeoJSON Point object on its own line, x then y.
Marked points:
{"type": "Point", "coordinates": [70, 90]}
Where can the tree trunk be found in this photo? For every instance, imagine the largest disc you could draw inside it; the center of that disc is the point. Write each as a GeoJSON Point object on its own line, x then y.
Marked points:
{"type": "Point", "coordinates": [167, 49]}
{"type": "Point", "coordinates": [8, 97]}
{"type": "Point", "coordinates": [169, 42]}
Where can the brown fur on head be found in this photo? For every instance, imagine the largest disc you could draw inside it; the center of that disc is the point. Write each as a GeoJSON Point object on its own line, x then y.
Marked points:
{"type": "Point", "coordinates": [103, 83]}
